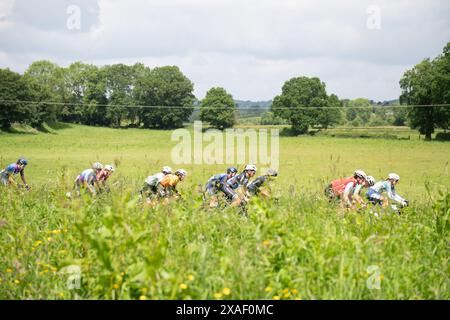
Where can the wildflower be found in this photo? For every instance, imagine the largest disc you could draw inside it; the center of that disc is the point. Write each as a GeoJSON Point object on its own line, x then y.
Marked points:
{"type": "Point", "coordinates": [190, 277]}
{"type": "Point", "coordinates": [183, 286]}
{"type": "Point", "coordinates": [61, 294]}
{"type": "Point", "coordinates": [294, 291]}
{"type": "Point", "coordinates": [268, 289]}
{"type": "Point", "coordinates": [49, 239]}
{"type": "Point", "coordinates": [9, 270]}
{"type": "Point", "coordinates": [57, 231]}
{"type": "Point", "coordinates": [143, 298]}
{"type": "Point", "coordinates": [226, 291]}
{"type": "Point", "coordinates": [285, 290]}
{"type": "Point", "coordinates": [37, 243]}
{"type": "Point", "coordinates": [16, 281]}
{"type": "Point", "coordinates": [276, 298]}
{"type": "Point", "coordinates": [287, 294]}
{"type": "Point", "coordinates": [116, 286]}
{"type": "Point", "coordinates": [217, 295]}
{"type": "Point", "coordinates": [266, 243]}
{"type": "Point", "coordinates": [122, 274]}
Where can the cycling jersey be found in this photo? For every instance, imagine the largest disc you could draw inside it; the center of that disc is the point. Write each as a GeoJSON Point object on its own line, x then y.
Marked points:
{"type": "Point", "coordinates": [374, 192]}
{"type": "Point", "coordinates": [154, 179]}
{"type": "Point", "coordinates": [102, 176]}
{"type": "Point", "coordinates": [87, 176]}
{"type": "Point", "coordinates": [233, 183]}
{"type": "Point", "coordinates": [338, 186]}
{"type": "Point", "coordinates": [254, 186]}
{"type": "Point", "coordinates": [239, 180]}
{"type": "Point", "coordinates": [12, 169]}
{"type": "Point", "coordinates": [167, 185]}
{"type": "Point", "coordinates": [216, 182]}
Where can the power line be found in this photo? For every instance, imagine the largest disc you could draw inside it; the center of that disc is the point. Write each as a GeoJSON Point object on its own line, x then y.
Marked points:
{"type": "Point", "coordinates": [190, 107]}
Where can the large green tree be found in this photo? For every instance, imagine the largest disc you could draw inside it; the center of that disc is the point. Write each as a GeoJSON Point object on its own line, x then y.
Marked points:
{"type": "Point", "coordinates": [13, 90]}
{"type": "Point", "coordinates": [168, 92]}
{"type": "Point", "coordinates": [119, 91]}
{"type": "Point", "coordinates": [305, 103]}
{"type": "Point", "coordinates": [218, 108]}
{"type": "Point", "coordinates": [46, 84]}
{"type": "Point", "coordinates": [426, 85]}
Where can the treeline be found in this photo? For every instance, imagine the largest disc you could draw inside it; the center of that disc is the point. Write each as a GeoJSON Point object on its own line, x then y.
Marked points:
{"type": "Point", "coordinates": [359, 112]}
{"type": "Point", "coordinates": [104, 96]}
{"type": "Point", "coordinates": [122, 95]}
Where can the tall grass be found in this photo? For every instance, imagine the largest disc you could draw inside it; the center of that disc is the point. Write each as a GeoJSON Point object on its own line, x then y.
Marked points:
{"type": "Point", "coordinates": [296, 247]}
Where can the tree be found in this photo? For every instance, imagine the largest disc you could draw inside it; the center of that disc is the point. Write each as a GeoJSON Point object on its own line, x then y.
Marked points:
{"type": "Point", "coordinates": [119, 87]}
{"type": "Point", "coordinates": [46, 86]}
{"type": "Point", "coordinates": [327, 117]}
{"type": "Point", "coordinates": [14, 88]}
{"type": "Point", "coordinates": [168, 89]}
{"type": "Point", "coordinates": [358, 108]}
{"type": "Point", "coordinates": [81, 81]}
{"type": "Point", "coordinates": [218, 108]}
{"type": "Point", "coordinates": [304, 103]}
{"type": "Point", "coordinates": [426, 84]}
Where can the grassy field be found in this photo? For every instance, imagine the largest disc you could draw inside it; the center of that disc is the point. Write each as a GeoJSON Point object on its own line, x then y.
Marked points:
{"type": "Point", "coordinates": [300, 247]}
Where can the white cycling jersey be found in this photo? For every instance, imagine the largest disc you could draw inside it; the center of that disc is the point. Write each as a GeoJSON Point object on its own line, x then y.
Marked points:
{"type": "Point", "coordinates": [155, 179]}
{"type": "Point", "coordinates": [385, 185]}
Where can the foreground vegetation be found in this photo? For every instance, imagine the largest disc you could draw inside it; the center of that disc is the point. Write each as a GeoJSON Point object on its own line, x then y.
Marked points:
{"type": "Point", "coordinates": [299, 247]}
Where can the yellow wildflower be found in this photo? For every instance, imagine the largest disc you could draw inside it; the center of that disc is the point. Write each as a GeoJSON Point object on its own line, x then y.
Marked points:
{"type": "Point", "coordinates": [143, 298]}
{"type": "Point", "coordinates": [190, 277]}
{"type": "Point", "coordinates": [226, 291]}
{"type": "Point", "coordinates": [217, 295]}
{"type": "Point", "coordinates": [268, 289]}
{"type": "Point", "coordinates": [183, 286]}
{"type": "Point", "coordinates": [276, 297]}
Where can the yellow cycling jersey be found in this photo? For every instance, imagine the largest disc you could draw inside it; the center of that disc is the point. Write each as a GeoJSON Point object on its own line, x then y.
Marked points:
{"type": "Point", "coordinates": [169, 180]}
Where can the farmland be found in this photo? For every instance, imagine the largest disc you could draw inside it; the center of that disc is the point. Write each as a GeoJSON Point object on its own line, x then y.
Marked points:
{"type": "Point", "coordinates": [299, 247]}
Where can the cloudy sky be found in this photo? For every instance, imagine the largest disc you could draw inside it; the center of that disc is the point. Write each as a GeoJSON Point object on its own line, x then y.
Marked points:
{"type": "Point", "coordinates": [358, 48]}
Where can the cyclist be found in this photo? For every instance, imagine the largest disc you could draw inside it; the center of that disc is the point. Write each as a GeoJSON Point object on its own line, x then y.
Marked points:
{"type": "Point", "coordinates": [7, 174]}
{"type": "Point", "coordinates": [239, 181]}
{"type": "Point", "coordinates": [150, 187]}
{"type": "Point", "coordinates": [254, 188]}
{"type": "Point", "coordinates": [357, 199]}
{"type": "Point", "coordinates": [103, 175]}
{"type": "Point", "coordinates": [167, 186]}
{"type": "Point", "coordinates": [88, 179]}
{"type": "Point", "coordinates": [374, 194]}
{"type": "Point", "coordinates": [344, 189]}
{"type": "Point", "coordinates": [216, 183]}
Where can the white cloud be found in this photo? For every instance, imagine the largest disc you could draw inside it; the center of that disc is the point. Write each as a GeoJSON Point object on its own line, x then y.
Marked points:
{"type": "Point", "coordinates": [249, 47]}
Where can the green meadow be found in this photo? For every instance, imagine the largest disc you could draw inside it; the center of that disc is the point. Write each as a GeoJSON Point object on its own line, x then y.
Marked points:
{"type": "Point", "coordinates": [297, 246]}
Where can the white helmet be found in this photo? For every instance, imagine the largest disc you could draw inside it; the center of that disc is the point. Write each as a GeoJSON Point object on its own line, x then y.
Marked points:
{"type": "Point", "coordinates": [360, 174]}
{"type": "Point", "coordinates": [250, 167]}
{"type": "Point", "coordinates": [97, 166]}
{"type": "Point", "coordinates": [181, 172]}
{"type": "Point", "coordinates": [109, 167]}
{"type": "Point", "coordinates": [370, 180]}
{"type": "Point", "coordinates": [394, 176]}
{"type": "Point", "coordinates": [166, 170]}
